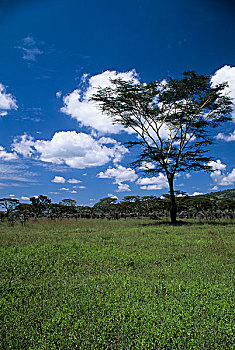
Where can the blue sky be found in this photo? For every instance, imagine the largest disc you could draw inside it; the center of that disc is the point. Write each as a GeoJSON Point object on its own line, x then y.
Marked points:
{"type": "Point", "coordinates": [53, 55]}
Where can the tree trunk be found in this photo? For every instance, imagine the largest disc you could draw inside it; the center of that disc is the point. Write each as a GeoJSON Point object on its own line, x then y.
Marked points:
{"type": "Point", "coordinates": [173, 209]}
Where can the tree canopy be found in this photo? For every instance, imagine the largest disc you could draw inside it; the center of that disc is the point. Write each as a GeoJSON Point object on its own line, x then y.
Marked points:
{"type": "Point", "coordinates": [172, 118]}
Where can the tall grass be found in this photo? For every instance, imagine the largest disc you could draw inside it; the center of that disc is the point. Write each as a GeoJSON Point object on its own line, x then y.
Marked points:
{"type": "Point", "coordinates": [126, 284]}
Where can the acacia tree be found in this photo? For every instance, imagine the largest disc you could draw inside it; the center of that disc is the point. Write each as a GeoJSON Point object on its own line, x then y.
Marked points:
{"type": "Point", "coordinates": [10, 205]}
{"type": "Point", "coordinates": [106, 205]}
{"type": "Point", "coordinates": [172, 118]}
{"type": "Point", "coordinates": [40, 204]}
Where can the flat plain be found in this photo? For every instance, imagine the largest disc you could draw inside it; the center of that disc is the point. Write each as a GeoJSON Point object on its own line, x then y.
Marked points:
{"type": "Point", "coordinates": [124, 284]}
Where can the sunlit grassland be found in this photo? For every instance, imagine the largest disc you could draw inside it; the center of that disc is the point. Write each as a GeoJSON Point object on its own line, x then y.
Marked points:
{"type": "Point", "coordinates": [126, 284]}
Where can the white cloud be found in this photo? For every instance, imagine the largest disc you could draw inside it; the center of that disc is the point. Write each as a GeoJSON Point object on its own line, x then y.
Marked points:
{"type": "Point", "coordinates": [74, 181]}
{"type": "Point", "coordinates": [24, 145]}
{"type": "Point", "coordinates": [217, 165]}
{"type": "Point", "coordinates": [227, 138]}
{"type": "Point", "coordinates": [226, 74]}
{"type": "Point", "coordinates": [196, 194]}
{"type": "Point", "coordinates": [216, 176]}
{"type": "Point", "coordinates": [7, 156]}
{"type": "Point", "coordinates": [153, 183]}
{"type": "Point", "coordinates": [11, 195]}
{"type": "Point", "coordinates": [84, 77]}
{"type": "Point", "coordinates": [7, 101]}
{"type": "Point", "coordinates": [181, 195]}
{"type": "Point", "coordinates": [147, 166]}
{"type": "Point", "coordinates": [29, 49]}
{"type": "Point", "coordinates": [58, 94]}
{"type": "Point", "coordinates": [64, 189]}
{"type": "Point", "coordinates": [112, 196]}
{"type": "Point", "coordinates": [77, 150]}
{"type": "Point", "coordinates": [123, 187]}
{"type": "Point", "coordinates": [73, 191]}
{"type": "Point", "coordinates": [187, 176]}
{"type": "Point", "coordinates": [119, 174]}
{"type": "Point", "coordinates": [219, 176]}
{"type": "Point", "coordinates": [228, 179]}
{"type": "Point", "coordinates": [82, 187]}
{"type": "Point", "coordinates": [78, 106]}
{"type": "Point", "coordinates": [59, 179]}
{"type": "Point", "coordinates": [24, 198]}
{"type": "Point", "coordinates": [149, 187]}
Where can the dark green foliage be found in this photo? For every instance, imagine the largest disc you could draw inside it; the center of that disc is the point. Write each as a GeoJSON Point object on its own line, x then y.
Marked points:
{"type": "Point", "coordinates": [226, 194]}
{"type": "Point", "coordinates": [68, 202]}
{"type": "Point", "coordinates": [25, 208]}
{"type": "Point", "coordinates": [10, 205]}
{"type": "Point", "coordinates": [105, 205]}
{"type": "Point", "coordinates": [40, 204]}
{"type": "Point", "coordinates": [127, 284]}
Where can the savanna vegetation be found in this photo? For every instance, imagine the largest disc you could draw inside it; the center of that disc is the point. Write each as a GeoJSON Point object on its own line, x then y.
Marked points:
{"type": "Point", "coordinates": [117, 284]}
{"type": "Point", "coordinates": [212, 206]}
{"type": "Point", "coordinates": [117, 275]}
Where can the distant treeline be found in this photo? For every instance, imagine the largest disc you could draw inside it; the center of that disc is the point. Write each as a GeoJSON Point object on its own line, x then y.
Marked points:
{"type": "Point", "coordinates": [207, 206]}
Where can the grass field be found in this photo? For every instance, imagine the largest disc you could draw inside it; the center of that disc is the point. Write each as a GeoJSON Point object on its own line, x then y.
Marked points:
{"type": "Point", "coordinates": [126, 284]}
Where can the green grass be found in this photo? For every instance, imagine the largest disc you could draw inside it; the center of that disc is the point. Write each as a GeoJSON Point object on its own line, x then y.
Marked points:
{"type": "Point", "coordinates": [127, 284]}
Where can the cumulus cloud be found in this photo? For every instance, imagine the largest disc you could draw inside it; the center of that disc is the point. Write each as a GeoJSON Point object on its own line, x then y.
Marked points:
{"type": "Point", "coordinates": [123, 188]}
{"type": "Point", "coordinates": [147, 166]}
{"type": "Point", "coordinates": [74, 181]}
{"type": "Point", "coordinates": [6, 155]}
{"type": "Point", "coordinates": [7, 101]}
{"type": "Point", "coordinates": [227, 138]}
{"type": "Point", "coordinates": [29, 48]}
{"type": "Point", "coordinates": [217, 176]}
{"type": "Point", "coordinates": [59, 179]}
{"type": "Point", "coordinates": [118, 174]}
{"type": "Point", "coordinates": [220, 176]}
{"type": "Point", "coordinates": [24, 145]}
{"type": "Point", "coordinates": [228, 179]}
{"type": "Point", "coordinates": [153, 183]}
{"type": "Point", "coordinates": [77, 150]}
{"type": "Point", "coordinates": [196, 194]}
{"type": "Point", "coordinates": [24, 198]}
{"type": "Point", "coordinates": [217, 165]}
{"type": "Point", "coordinates": [78, 106]}
{"type": "Point", "coordinates": [112, 196]}
{"type": "Point", "coordinates": [226, 74]}
{"type": "Point", "coordinates": [149, 187]}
